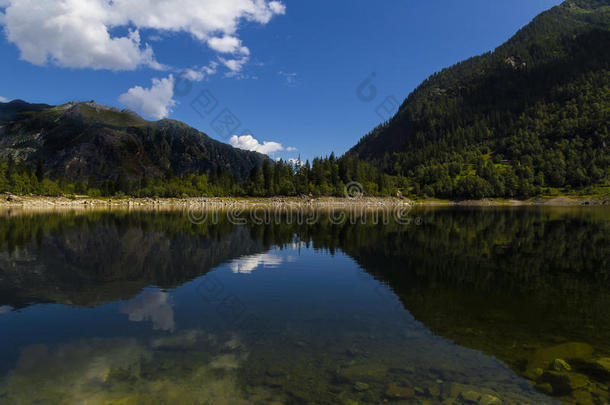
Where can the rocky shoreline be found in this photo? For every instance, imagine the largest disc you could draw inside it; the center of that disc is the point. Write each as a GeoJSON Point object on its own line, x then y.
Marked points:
{"type": "Point", "coordinates": [38, 202]}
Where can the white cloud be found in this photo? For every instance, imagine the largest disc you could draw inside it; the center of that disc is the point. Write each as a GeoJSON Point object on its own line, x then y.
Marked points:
{"type": "Point", "coordinates": [277, 7]}
{"type": "Point", "coordinates": [3, 100]}
{"type": "Point", "coordinates": [291, 149]}
{"type": "Point", "coordinates": [197, 74]}
{"type": "Point", "coordinates": [210, 69]}
{"type": "Point", "coordinates": [248, 142]}
{"type": "Point", "coordinates": [78, 33]}
{"type": "Point", "coordinates": [193, 75]}
{"type": "Point", "coordinates": [155, 306]}
{"type": "Point", "coordinates": [296, 162]}
{"type": "Point", "coordinates": [156, 102]}
{"type": "Point", "coordinates": [248, 264]}
{"type": "Point", "coordinates": [228, 44]}
{"type": "Point", "coordinates": [290, 79]}
{"type": "Point", "coordinates": [234, 65]}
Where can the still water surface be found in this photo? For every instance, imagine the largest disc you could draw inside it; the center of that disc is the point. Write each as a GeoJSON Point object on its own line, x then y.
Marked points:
{"type": "Point", "coordinates": [464, 306]}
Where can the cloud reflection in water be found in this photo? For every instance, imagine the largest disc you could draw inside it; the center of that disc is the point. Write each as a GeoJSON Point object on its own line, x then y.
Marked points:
{"type": "Point", "coordinates": [155, 306]}
{"type": "Point", "coordinates": [248, 264]}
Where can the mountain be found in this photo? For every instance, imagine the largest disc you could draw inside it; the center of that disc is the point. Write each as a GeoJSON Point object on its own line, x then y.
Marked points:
{"type": "Point", "coordinates": [82, 139]}
{"type": "Point", "coordinates": [533, 113]}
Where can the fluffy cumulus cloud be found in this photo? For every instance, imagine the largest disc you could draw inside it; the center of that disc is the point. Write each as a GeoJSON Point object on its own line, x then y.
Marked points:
{"type": "Point", "coordinates": [82, 33]}
{"type": "Point", "coordinates": [248, 142]}
{"type": "Point", "coordinates": [155, 102]}
{"type": "Point", "coordinates": [3, 100]}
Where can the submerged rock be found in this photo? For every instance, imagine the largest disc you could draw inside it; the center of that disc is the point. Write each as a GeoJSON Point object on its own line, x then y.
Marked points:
{"type": "Point", "coordinates": [544, 358]}
{"type": "Point", "coordinates": [361, 386]}
{"type": "Point", "coordinates": [604, 364]}
{"type": "Point", "coordinates": [274, 371]}
{"type": "Point", "coordinates": [596, 369]}
{"type": "Point", "coordinates": [490, 400]}
{"type": "Point", "coordinates": [545, 388]}
{"type": "Point", "coordinates": [561, 365]}
{"type": "Point", "coordinates": [396, 392]}
{"type": "Point", "coordinates": [583, 398]}
{"type": "Point", "coordinates": [470, 397]}
{"type": "Point", "coordinates": [564, 383]}
{"type": "Point", "coordinates": [534, 373]}
{"type": "Point", "coordinates": [433, 391]}
{"type": "Point", "coordinates": [273, 382]}
{"type": "Point", "coordinates": [226, 362]}
{"type": "Point", "coordinates": [363, 372]}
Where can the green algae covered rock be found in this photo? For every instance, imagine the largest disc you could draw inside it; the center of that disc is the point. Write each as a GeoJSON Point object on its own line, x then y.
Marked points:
{"type": "Point", "coordinates": [561, 365]}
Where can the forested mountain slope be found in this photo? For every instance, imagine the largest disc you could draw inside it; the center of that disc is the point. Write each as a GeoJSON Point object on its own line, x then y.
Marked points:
{"type": "Point", "coordinates": [93, 143]}
{"type": "Point", "coordinates": [532, 114]}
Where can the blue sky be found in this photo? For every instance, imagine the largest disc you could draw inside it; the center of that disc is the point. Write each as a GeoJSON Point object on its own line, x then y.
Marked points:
{"type": "Point", "coordinates": [287, 73]}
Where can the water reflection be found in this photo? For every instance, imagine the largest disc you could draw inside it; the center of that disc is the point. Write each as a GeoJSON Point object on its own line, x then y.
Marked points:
{"type": "Point", "coordinates": [154, 306]}
{"type": "Point", "coordinates": [88, 260]}
{"type": "Point", "coordinates": [526, 286]}
{"type": "Point", "coordinates": [247, 265]}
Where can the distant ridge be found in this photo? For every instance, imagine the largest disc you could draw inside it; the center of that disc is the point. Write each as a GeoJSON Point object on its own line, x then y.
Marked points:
{"type": "Point", "coordinates": [78, 140]}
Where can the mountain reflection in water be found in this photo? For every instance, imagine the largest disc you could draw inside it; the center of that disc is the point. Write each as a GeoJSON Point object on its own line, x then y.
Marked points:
{"type": "Point", "coordinates": [154, 308]}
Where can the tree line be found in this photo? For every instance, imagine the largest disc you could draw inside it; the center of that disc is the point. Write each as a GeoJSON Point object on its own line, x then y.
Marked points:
{"type": "Point", "coordinates": [326, 176]}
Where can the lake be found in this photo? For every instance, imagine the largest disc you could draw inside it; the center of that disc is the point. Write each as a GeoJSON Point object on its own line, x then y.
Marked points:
{"type": "Point", "coordinates": [446, 305]}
